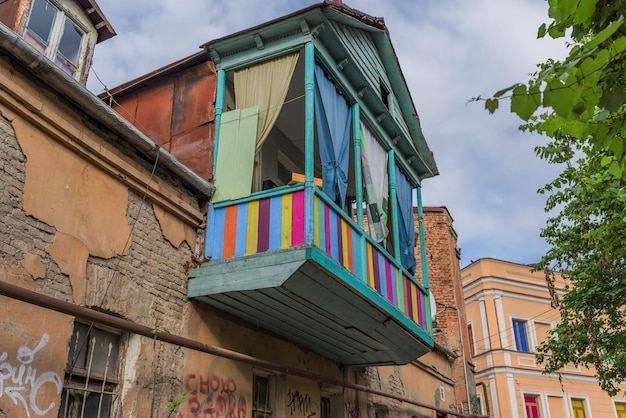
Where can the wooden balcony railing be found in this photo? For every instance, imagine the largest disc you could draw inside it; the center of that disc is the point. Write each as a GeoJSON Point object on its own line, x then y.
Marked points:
{"type": "Point", "coordinates": [275, 220]}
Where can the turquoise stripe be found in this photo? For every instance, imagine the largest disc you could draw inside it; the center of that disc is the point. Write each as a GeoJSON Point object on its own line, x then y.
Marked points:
{"type": "Point", "coordinates": [242, 230]}
{"type": "Point", "coordinates": [218, 234]}
{"type": "Point", "coordinates": [276, 210]}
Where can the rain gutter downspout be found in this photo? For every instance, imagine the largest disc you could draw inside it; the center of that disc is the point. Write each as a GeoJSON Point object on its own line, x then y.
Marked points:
{"type": "Point", "coordinates": [92, 315]}
{"type": "Point", "coordinates": [219, 108]}
{"type": "Point", "coordinates": [46, 71]}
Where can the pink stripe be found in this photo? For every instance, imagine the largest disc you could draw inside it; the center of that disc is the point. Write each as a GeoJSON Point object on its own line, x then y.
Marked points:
{"type": "Point", "coordinates": [391, 284]}
{"type": "Point", "coordinates": [297, 219]}
{"type": "Point", "coordinates": [264, 225]}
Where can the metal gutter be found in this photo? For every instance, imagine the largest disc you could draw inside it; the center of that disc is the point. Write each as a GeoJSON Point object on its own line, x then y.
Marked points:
{"type": "Point", "coordinates": [18, 50]}
{"type": "Point", "coordinates": [92, 315]}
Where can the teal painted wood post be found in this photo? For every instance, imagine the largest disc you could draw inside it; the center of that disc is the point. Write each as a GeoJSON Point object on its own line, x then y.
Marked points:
{"type": "Point", "coordinates": [309, 126]}
{"type": "Point", "coordinates": [219, 108]}
{"type": "Point", "coordinates": [395, 232]}
{"type": "Point", "coordinates": [356, 132]}
{"type": "Point", "coordinates": [424, 258]}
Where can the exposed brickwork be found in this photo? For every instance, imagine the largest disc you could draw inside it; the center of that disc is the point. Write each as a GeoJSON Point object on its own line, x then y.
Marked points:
{"type": "Point", "coordinates": [147, 285]}
{"type": "Point", "coordinates": [444, 278]}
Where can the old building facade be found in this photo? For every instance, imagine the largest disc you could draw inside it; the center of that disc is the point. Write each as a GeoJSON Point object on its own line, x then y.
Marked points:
{"type": "Point", "coordinates": [134, 283]}
{"type": "Point", "coordinates": [509, 314]}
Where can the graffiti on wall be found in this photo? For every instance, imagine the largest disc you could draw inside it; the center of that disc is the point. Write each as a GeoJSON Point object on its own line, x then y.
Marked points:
{"type": "Point", "coordinates": [20, 381]}
{"type": "Point", "coordinates": [213, 396]}
{"type": "Point", "coordinates": [300, 403]}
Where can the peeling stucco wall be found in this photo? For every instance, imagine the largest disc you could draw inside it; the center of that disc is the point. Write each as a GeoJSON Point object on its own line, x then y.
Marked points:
{"type": "Point", "coordinates": [65, 231]}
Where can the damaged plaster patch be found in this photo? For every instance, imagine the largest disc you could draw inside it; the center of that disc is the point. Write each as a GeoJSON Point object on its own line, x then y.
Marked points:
{"type": "Point", "coordinates": [64, 191]}
{"type": "Point", "coordinates": [71, 256]}
{"type": "Point", "coordinates": [33, 265]}
{"type": "Point", "coordinates": [68, 193]}
{"type": "Point", "coordinates": [174, 230]}
{"type": "Point", "coordinates": [16, 275]}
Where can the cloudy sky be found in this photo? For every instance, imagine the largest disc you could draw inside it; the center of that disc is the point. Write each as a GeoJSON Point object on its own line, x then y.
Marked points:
{"type": "Point", "coordinates": [450, 51]}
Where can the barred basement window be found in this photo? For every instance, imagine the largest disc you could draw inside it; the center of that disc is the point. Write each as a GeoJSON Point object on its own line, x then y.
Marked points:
{"type": "Point", "coordinates": [261, 397]}
{"type": "Point", "coordinates": [91, 374]}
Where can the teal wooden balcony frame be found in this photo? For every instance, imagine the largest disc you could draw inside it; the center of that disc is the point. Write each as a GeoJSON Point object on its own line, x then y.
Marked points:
{"type": "Point", "coordinates": [352, 288]}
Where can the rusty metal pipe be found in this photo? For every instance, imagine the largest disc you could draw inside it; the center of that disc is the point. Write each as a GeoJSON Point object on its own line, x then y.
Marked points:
{"type": "Point", "coordinates": [92, 315]}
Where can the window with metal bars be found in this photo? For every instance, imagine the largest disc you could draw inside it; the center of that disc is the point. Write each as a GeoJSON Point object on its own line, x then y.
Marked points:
{"type": "Point", "coordinates": [91, 374]}
{"type": "Point", "coordinates": [261, 396]}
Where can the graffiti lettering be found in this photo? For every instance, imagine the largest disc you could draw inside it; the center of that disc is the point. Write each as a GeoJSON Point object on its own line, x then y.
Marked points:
{"type": "Point", "coordinates": [213, 396]}
{"type": "Point", "coordinates": [300, 403]}
{"type": "Point", "coordinates": [19, 381]}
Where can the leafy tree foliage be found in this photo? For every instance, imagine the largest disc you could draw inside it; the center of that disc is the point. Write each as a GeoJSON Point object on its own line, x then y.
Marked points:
{"type": "Point", "coordinates": [579, 104]}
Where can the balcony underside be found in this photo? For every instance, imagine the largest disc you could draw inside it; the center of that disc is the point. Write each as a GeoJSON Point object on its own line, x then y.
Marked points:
{"type": "Point", "coordinates": [304, 296]}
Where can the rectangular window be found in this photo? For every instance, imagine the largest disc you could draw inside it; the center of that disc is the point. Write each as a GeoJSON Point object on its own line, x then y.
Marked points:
{"type": "Point", "coordinates": [91, 375]}
{"type": "Point", "coordinates": [542, 331]}
{"type": "Point", "coordinates": [261, 399]}
{"type": "Point", "coordinates": [324, 407]}
{"type": "Point", "coordinates": [54, 34]}
{"type": "Point", "coordinates": [519, 331]}
{"type": "Point", "coordinates": [620, 409]}
{"type": "Point", "coordinates": [578, 408]}
{"type": "Point", "coordinates": [470, 337]}
{"type": "Point", "coordinates": [531, 404]}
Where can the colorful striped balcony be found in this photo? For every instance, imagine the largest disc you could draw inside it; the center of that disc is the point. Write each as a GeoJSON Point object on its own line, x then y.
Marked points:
{"type": "Point", "coordinates": [340, 295]}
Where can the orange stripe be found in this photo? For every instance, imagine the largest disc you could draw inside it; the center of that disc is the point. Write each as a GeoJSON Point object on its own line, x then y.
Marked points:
{"type": "Point", "coordinates": [230, 231]}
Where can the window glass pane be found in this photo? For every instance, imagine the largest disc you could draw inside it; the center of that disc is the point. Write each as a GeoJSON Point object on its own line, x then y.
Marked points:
{"type": "Point", "coordinates": [531, 404]}
{"type": "Point", "coordinates": [70, 41]}
{"type": "Point", "coordinates": [78, 346]}
{"type": "Point", "coordinates": [519, 330]}
{"type": "Point", "coordinates": [620, 409]}
{"type": "Point", "coordinates": [103, 359]}
{"type": "Point", "coordinates": [542, 331]}
{"type": "Point", "coordinates": [578, 407]}
{"type": "Point", "coordinates": [41, 19]}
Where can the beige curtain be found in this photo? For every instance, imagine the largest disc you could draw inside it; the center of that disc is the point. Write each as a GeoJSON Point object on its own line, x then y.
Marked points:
{"type": "Point", "coordinates": [265, 85]}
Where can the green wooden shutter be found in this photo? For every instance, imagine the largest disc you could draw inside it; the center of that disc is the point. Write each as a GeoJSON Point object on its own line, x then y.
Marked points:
{"type": "Point", "coordinates": [235, 154]}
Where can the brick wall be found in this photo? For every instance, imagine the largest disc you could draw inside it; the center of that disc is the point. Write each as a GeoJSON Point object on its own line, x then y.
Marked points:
{"type": "Point", "coordinates": [444, 278]}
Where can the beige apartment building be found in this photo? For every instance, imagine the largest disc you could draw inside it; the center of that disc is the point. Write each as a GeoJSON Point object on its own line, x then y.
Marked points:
{"type": "Point", "coordinates": [509, 315]}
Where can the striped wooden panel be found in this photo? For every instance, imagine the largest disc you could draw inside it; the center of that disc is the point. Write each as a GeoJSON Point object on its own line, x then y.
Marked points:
{"type": "Point", "coordinates": [335, 236]}
{"type": "Point", "coordinates": [256, 226]}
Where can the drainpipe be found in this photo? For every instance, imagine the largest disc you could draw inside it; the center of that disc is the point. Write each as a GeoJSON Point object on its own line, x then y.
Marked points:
{"type": "Point", "coordinates": [219, 109]}
{"type": "Point", "coordinates": [309, 132]}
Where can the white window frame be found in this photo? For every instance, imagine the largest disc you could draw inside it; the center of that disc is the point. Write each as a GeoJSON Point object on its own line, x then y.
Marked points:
{"type": "Point", "coordinates": [541, 402]}
{"type": "Point", "coordinates": [63, 13]}
{"type": "Point", "coordinates": [616, 401]}
{"type": "Point", "coordinates": [471, 338]}
{"type": "Point", "coordinates": [527, 331]}
{"type": "Point", "coordinates": [586, 404]}
{"type": "Point", "coordinates": [535, 338]}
